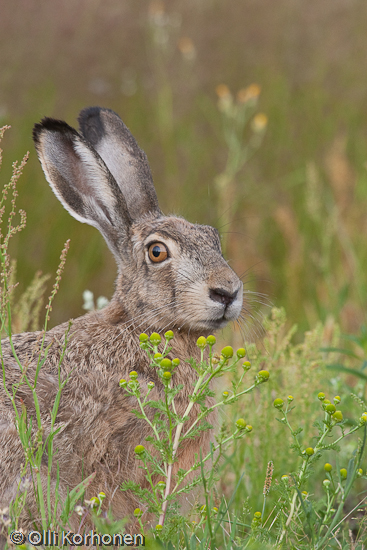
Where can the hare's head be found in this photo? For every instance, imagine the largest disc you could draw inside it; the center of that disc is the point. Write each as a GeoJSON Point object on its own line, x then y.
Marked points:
{"type": "Point", "coordinates": [171, 273]}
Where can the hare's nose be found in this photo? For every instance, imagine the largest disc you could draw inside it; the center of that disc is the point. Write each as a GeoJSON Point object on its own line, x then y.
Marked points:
{"type": "Point", "coordinates": [222, 296]}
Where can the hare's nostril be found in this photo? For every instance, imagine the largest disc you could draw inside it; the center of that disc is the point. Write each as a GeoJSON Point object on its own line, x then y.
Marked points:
{"type": "Point", "coordinates": [222, 296]}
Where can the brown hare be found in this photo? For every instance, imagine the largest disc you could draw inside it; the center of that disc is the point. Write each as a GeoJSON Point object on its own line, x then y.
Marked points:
{"type": "Point", "coordinates": [171, 275]}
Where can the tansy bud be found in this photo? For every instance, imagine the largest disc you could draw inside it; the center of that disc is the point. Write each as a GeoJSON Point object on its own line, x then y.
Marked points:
{"type": "Point", "coordinates": [248, 428]}
{"type": "Point", "coordinates": [201, 342]}
{"type": "Point", "coordinates": [328, 467]}
{"type": "Point", "coordinates": [257, 515]}
{"type": "Point", "coordinates": [133, 375]}
{"type": "Point", "coordinates": [337, 400]}
{"type": "Point", "coordinates": [321, 396]}
{"type": "Point", "coordinates": [290, 398]}
{"type": "Point", "coordinates": [359, 472]}
{"type": "Point", "coordinates": [241, 352]}
{"type": "Point", "coordinates": [330, 408]}
{"type": "Point", "coordinates": [309, 451]}
{"type": "Point", "coordinates": [175, 362]}
{"type": "Point", "coordinates": [263, 375]}
{"type": "Point", "coordinates": [166, 364]}
{"type": "Point", "coordinates": [215, 510]}
{"type": "Point", "coordinates": [137, 512]}
{"type": "Point", "coordinates": [278, 403]}
{"type": "Point", "coordinates": [225, 394]}
{"type": "Point", "coordinates": [241, 424]}
{"type": "Point", "coordinates": [167, 376]}
{"type": "Point", "coordinates": [157, 357]}
{"type": "Point", "coordinates": [150, 385]}
{"type": "Point", "coordinates": [168, 335]}
{"type": "Point", "coordinates": [211, 340]}
{"type": "Point", "coordinates": [155, 338]}
{"type": "Point", "coordinates": [122, 383]}
{"type": "Point", "coordinates": [139, 449]}
{"type": "Point", "coordinates": [161, 485]}
{"type": "Point", "coordinates": [94, 501]}
{"type": "Point", "coordinates": [227, 352]}
{"type": "Point", "coordinates": [246, 365]}
{"type": "Point", "coordinates": [343, 473]}
{"type": "Point", "coordinates": [203, 509]}
{"type": "Point", "coordinates": [143, 338]}
{"type": "Point", "coordinates": [158, 528]}
{"type": "Point", "coordinates": [337, 416]}
{"type": "Point", "coordinates": [326, 402]}
{"type": "Point", "coordinates": [285, 479]}
{"type": "Point", "coordinates": [326, 483]}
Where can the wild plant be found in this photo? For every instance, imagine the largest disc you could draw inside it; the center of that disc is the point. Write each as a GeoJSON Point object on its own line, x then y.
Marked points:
{"type": "Point", "coordinates": [159, 459]}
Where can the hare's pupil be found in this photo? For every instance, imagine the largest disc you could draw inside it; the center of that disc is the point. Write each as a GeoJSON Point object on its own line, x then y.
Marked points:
{"type": "Point", "coordinates": [156, 251]}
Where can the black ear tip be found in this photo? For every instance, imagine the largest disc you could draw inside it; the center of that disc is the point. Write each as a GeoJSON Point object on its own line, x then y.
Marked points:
{"type": "Point", "coordinates": [91, 123]}
{"type": "Point", "coordinates": [48, 124]}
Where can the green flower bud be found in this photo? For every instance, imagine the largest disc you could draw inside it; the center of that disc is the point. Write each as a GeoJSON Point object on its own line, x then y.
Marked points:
{"type": "Point", "coordinates": [241, 424]}
{"type": "Point", "coordinates": [203, 509]}
{"type": "Point", "coordinates": [248, 428]}
{"type": "Point", "coordinates": [175, 362]}
{"type": "Point", "coordinates": [337, 400]}
{"type": "Point", "coordinates": [330, 409]}
{"type": "Point", "coordinates": [101, 495]}
{"type": "Point", "coordinates": [158, 528]}
{"type": "Point", "coordinates": [326, 483]}
{"type": "Point", "coordinates": [257, 515]}
{"type": "Point", "coordinates": [137, 512]}
{"type": "Point", "coordinates": [167, 376]}
{"type": "Point", "coordinates": [326, 402]}
{"type": "Point", "coordinates": [321, 396]}
{"type": "Point", "coordinates": [363, 419]}
{"type": "Point", "coordinates": [132, 384]}
{"type": "Point", "coordinates": [215, 510]}
{"type": "Point", "coordinates": [309, 451]}
{"type": "Point", "coordinates": [359, 472]}
{"type": "Point", "coordinates": [304, 494]}
{"type": "Point", "coordinates": [157, 357]}
{"type": "Point", "coordinates": [337, 416]}
{"type": "Point", "coordinates": [343, 473]}
{"type": "Point", "coordinates": [201, 342]}
{"type": "Point", "coordinates": [166, 364]}
{"type": "Point", "coordinates": [211, 340]}
{"type": "Point", "coordinates": [122, 383]}
{"type": "Point", "coordinates": [155, 339]}
{"type": "Point", "coordinates": [169, 335]}
{"type": "Point", "coordinates": [285, 479]}
{"type": "Point", "coordinates": [263, 375]}
{"type": "Point", "coordinates": [150, 385]}
{"type": "Point", "coordinates": [227, 352]}
{"type": "Point", "coordinates": [246, 365]}
{"type": "Point", "coordinates": [290, 398]}
{"type": "Point", "coordinates": [139, 449]}
{"type": "Point", "coordinates": [241, 352]}
{"type": "Point", "coordinates": [161, 485]}
{"type": "Point", "coordinates": [143, 338]}
{"type": "Point", "coordinates": [328, 467]}
{"type": "Point", "coordinates": [133, 375]}
{"type": "Point", "coordinates": [225, 394]}
{"type": "Point", "coordinates": [278, 403]}
{"type": "Point", "coordinates": [94, 501]}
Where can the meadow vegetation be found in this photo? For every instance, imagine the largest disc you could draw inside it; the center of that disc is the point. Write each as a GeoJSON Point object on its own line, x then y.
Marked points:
{"type": "Point", "coordinates": [266, 132]}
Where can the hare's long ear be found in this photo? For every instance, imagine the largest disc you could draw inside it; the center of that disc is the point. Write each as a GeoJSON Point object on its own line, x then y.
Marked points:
{"type": "Point", "coordinates": [127, 163]}
{"type": "Point", "coordinates": [81, 180]}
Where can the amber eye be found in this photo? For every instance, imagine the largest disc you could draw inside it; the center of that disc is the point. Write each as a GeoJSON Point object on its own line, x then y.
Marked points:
{"type": "Point", "coordinates": [157, 252]}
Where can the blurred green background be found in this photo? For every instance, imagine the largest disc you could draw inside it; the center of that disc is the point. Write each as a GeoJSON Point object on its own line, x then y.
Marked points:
{"type": "Point", "coordinates": [293, 214]}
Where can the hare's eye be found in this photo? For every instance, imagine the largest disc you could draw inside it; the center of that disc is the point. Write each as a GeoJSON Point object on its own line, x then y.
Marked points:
{"type": "Point", "coordinates": [157, 252]}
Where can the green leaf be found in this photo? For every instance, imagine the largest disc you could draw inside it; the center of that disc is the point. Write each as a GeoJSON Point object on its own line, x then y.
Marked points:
{"type": "Point", "coordinates": [74, 496]}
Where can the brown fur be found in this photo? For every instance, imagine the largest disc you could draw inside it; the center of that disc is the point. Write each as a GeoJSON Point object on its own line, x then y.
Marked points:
{"type": "Point", "coordinates": [193, 292]}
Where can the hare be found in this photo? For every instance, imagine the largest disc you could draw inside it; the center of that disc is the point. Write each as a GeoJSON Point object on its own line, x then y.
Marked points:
{"type": "Point", "coordinates": [171, 275]}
